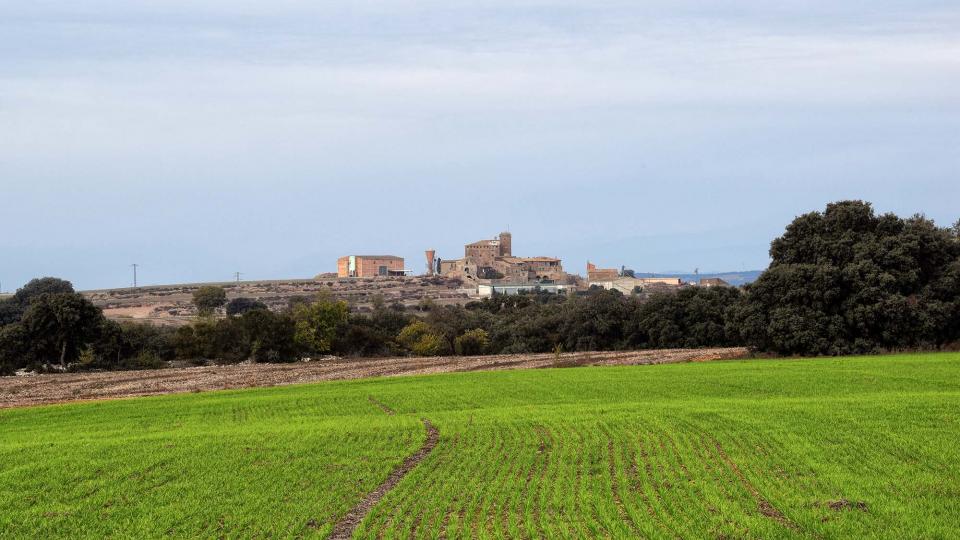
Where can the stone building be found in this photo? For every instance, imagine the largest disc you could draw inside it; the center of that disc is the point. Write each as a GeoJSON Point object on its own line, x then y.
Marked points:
{"type": "Point", "coordinates": [493, 259]}
{"type": "Point", "coordinates": [613, 279]}
{"type": "Point", "coordinates": [369, 266]}
{"type": "Point", "coordinates": [601, 274]}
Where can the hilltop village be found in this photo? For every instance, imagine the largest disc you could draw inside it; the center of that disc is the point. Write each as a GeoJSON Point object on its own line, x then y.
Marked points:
{"type": "Point", "coordinates": [487, 267]}
{"type": "Point", "coordinates": [491, 267]}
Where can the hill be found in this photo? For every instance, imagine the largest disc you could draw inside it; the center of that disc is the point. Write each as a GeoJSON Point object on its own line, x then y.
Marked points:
{"type": "Point", "coordinates": [172, 304]}
{"type": "Point", "coordinates": [734, 278]}
{"type": "Point", "coordinates": [825, 448]}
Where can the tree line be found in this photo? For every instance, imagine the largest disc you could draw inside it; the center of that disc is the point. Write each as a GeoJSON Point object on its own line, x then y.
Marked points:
{"type": "Point", "coordinates": [841, 281]}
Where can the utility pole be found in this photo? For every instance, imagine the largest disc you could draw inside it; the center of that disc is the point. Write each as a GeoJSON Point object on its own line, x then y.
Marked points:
{"type": "Point", "coordinates": [237, 275]}
{"type": "Point", "coordinates": [134, 265]}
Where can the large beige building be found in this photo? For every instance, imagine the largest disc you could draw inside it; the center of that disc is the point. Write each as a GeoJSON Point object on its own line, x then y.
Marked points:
{"type": "Point", "coordinates": [493, 259]}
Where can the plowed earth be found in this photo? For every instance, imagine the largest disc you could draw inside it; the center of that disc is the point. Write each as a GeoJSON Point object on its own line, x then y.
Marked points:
{"type": "Point", "coordinates": [56, 388]}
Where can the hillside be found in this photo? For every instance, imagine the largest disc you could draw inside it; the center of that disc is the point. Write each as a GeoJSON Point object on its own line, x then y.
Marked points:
{"type": "Point", "coordinates": [734, 278]}
{"type": "Point", "coordinates": [825, 448]}
{"type": "Point", "coordinates": [172, 304]}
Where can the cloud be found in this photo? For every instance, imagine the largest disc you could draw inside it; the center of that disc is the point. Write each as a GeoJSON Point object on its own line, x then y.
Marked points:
{"type": "Point", "coordinates": [530, 109]}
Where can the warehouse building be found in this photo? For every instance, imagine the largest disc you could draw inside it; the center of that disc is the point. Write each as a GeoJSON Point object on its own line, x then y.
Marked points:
{"type": "Point", "coordinates": [370, 266]}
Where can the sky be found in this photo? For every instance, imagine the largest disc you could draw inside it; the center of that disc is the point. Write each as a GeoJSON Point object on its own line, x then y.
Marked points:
{"type": "Point", "coordinates": [201, 138]}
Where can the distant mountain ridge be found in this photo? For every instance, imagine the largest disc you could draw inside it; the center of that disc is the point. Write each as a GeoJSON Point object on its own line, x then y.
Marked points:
{"type": "Point", "coordinates": [733, 278]}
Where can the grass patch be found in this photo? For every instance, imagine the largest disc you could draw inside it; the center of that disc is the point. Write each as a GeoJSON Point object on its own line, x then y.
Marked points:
{"type": "Point", "coordinates": [831, 448]}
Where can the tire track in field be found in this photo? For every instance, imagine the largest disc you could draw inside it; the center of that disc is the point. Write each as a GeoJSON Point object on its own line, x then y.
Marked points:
{"type": "Point", "coordinates": [765, 507]}
{"type": "Point", "coordinates": [344, 528]}
{"type": "Point", "coordinates": [383, 406]}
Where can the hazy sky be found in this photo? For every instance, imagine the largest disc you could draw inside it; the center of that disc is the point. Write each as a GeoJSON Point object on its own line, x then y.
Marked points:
{"type": "Point", "coordinates": [202, 138]}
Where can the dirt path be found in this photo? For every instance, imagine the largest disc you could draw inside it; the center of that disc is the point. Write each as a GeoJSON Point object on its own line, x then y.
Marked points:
{"type": "Point", "coordinates": [345, 527]}
{"type": "Point", "coordinates": [57, 388]}
{"type": "Point", "coordinates": [763, 505]}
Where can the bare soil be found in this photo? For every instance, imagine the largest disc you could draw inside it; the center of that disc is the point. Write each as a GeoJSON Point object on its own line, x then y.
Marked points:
{"type": "Point", "coordinates": [57, 388]}
{"type": "Point", "coordinates": [345, 527]}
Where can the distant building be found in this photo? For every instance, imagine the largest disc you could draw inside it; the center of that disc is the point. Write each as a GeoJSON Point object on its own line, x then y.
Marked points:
{"type": "Point", "coordinates": [370, 266]}
{"type": "Point", "coordinates": [627, 285]}
{"type": "Point", "coordinates": [612, 279]}
{"type": "Point", "coordinates": [601, 274]}
{"type": "Point", "coordinates": [713, 282]}
{"type": "Point", "coordinates": [493, 259]}
{"type": "Point", "coordinates": [488, 290]}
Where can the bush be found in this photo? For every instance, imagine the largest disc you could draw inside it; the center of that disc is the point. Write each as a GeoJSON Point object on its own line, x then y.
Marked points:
{"type": "Point", "coordinates": [317, 324]}
{"type": "Point", "coordinates": [239, 306]}
{"type": "Point", "coordinates": [429, 345]}
{"type": "Point", "coordinates": [471, 343]}
{"type": "Point", "coordinates": [421, 340]}
{"type": "Point", "coordinates": [208, 299]}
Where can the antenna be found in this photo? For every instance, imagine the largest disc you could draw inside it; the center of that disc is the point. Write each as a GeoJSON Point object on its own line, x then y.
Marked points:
{"type": "Point", "coordinates": [134, 265]}
{"type": "Point", "coordinates": [237, 275]}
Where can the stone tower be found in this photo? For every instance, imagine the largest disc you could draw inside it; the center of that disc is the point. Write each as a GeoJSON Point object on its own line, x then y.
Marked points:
{"type": "Point", "coordinates": [506, 244]}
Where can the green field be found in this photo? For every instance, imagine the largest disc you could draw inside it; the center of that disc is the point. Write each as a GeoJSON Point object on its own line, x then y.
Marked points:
{"type": "Point", "coordinates": [739, 449]}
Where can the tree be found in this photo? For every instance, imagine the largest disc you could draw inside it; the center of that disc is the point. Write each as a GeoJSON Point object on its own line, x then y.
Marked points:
{"type": "Point", "coordinates": [317, 323]}
{"type": "Point", "coordinates": [14, 348]}
{"type": "Point", "coordinates": [421, 339]}
{"type": "Point", "coordinates": [472, 342]}
{"type": "Point", "coordinates": [12, 309]}
{"type": "Point", "coordinates": [59, 326]}
{"type": "Point", "coordinates": [208, 299]}
{"type": "Point", "coordinates": [595, 322]}
{"type": "Point", "coordinates": [129, 345]}
{"type": "Point", "coordinates": [848, 281]}
{"type": "Point", "coordinates": [270, 337]}
{"type": "Point", "coordinates": [239, 306]}
{"type": "Point", "coordinates": [39, 286]}
{"type": "Point", "coordinates": [10, 312]}
{"type": "Point", "coordinates": [692, 317]}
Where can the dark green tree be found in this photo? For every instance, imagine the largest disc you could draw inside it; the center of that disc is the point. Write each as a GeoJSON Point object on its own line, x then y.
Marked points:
{"type": "Point", "coordinates": [209, 298]}
{"type": "Point", "coordinates": [59, 326]}
{"type": "Point", "coordinates": [270, 337]}
{"type": "Point", "coordinates": [39, 286]}
{"type": "Point", "coordinates": [12, 309]}
{"type": "Point", "coordinates": [848, 281]}
{"type": "Point", "coordinates": [239, 306]}
{"type": "Point", "coordinates": [14, 348]}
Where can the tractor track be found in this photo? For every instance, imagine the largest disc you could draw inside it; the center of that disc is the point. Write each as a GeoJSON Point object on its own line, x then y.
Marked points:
{"type": "Point", "coordinates": [344, 528]}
